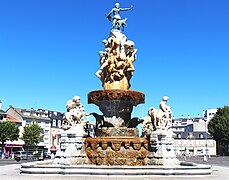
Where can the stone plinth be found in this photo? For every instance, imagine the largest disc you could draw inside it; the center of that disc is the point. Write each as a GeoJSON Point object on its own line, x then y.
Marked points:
{"type": "Point", "coordinates": [71, 147]}
{"type": "Point", "coordinates": [117, 151]}
{"type": "Point", "coordinates": [162, 142]}
{"type": "Point", "coordinates": [116, 105]}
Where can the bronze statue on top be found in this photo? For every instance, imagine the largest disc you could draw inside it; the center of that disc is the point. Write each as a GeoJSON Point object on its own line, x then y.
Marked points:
{"type": "Point", "coordinates": [116, 19]}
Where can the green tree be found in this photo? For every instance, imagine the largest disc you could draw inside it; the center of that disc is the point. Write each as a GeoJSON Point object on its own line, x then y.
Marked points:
{"type": "Point", "coordinates": [32, 134]}
{"type": "Point", "coordinates": [8, 131]}
{"type": "Point", "coordinates": [218, 126]}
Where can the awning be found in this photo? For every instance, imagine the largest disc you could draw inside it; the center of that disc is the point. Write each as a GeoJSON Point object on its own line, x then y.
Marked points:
{"type": "Point", "coordinates": [18, 143]}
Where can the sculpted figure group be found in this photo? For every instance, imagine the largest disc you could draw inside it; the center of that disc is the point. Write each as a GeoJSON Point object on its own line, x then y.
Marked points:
{"type": "Point", "coordinates": [158, 119]}
{"type": "Point", "coordinates": [116, 62]}
{"type": "Point", "coordinates": [75, 113]}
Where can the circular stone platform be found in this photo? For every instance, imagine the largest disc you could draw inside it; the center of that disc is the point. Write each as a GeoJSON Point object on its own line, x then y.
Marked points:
{"type": "Point", "coordinates": [45, 167]}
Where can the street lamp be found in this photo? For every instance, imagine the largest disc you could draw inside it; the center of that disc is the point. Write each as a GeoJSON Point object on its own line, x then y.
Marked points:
{"type": "Point", "coordinates": [206, 143]}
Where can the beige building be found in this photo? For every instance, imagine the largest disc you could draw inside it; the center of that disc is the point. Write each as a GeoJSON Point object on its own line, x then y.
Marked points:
{"type": "Point", "coordinates": [45, 120]}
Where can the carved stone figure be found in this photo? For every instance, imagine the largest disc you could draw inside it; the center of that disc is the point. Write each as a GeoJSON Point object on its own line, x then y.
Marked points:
{"type": "Point", "coordinates": [75, 113]}
{"type": "Point", "coordinates": [165, 113]}
{"type": "Point", "coordinates": [147, 126]}
{"type": "Point", "coordinates": [116, 18]}
{"type": "Point", "coordinates": [116, 62]}
{"type": "Point", "coordinates": [161, 118]}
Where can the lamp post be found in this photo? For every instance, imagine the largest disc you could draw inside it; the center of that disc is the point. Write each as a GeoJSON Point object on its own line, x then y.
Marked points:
{"type": "Point", "coordinates": [206, 143]}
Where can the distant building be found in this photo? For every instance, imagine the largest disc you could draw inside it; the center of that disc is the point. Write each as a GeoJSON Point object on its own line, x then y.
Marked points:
{"type": "Point", "coordinates": [209, 114]}
{"type": "Point", "coordinates": [56, 123]}
{"type": "Point", "coordinates": [44, 118]}
{"type": "Point", "coordinates": [191, 135]}
{"type": "Point", "coordinates": [11, 146]}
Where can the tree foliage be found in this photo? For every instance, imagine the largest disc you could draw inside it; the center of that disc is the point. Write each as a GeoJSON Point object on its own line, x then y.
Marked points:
{"type": "Point", "coordinates": [32, 134]}
{"type": "Point", "coordinates": [8, 131]}
{"type": "Point", "coordinates": [218, 126]}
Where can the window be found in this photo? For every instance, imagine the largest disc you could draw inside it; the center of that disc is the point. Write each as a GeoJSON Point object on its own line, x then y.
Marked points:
{"type": "Point", "coordinates": [26, 113]}
{"type": "Point", "coordinates": [28, 121]}
{"type": "Point", "coordinates": [199, 151]}
{"type": "Point", "coordinates": [46, 131]}
{"type": "Point", "coordinates": [53, 122]}
{"type": "Point", "coordinates": [59, 123]}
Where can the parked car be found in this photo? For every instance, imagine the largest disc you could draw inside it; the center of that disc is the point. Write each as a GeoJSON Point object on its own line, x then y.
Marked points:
{"type": "Point", "coordinates": [20, 155]}
{"type": "Point", "coordinates": [5, 156]}
{"type": "Point", "coordinates": [47, 155]}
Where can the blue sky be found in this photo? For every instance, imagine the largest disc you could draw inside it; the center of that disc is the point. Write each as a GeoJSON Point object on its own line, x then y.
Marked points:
{"type": "Point", "coordinates": [49, 52]}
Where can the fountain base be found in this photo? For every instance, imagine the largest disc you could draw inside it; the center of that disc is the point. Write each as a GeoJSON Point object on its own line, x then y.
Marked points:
{"type": "Point", "coordinates": [117, 151]}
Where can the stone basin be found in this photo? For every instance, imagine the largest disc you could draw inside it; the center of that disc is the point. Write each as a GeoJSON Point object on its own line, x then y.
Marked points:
{"type": "Point", "coordinates": [185, 169]}
{"type": "Point", "coordinates": [116, 105]}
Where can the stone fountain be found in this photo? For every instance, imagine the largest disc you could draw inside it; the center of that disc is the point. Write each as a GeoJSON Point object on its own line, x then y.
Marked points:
{"type": "Point", "coordinates": [117, 148]}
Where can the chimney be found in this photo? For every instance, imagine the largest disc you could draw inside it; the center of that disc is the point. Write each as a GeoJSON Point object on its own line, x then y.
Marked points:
{"type": "Point", "coordinates": [0, 105]}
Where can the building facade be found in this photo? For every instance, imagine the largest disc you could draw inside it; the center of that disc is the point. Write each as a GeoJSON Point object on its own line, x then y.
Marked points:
{"type": "Point", "coordinates": [192, 137]}
{"type": "Point", "coordinates": [209, 114]}
{"type": "Point", "coordinates": [56, 123]}
{"type": "Point", "coordinates": [11, 146]}
{"type": "Point", "coordinates": [44, 118]}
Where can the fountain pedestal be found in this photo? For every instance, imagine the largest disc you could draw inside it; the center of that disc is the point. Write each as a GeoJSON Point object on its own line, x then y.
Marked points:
{"type": "Point", "coordinates": [116, 105]}
{"type": "Point", "coordinates": [118, 142]}
{"type": "Point", "coordinates": [71, 150]}
{"type": "Point", "coordinates": [162, 142]}
{"type": "Point", "coordinates": [117, 151]}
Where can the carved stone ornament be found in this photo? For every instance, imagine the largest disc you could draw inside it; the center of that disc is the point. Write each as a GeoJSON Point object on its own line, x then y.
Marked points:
{"type": "Point", "coordinates": [116, 151]}
{"type": "Point", "coordinates": [134, 97]}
